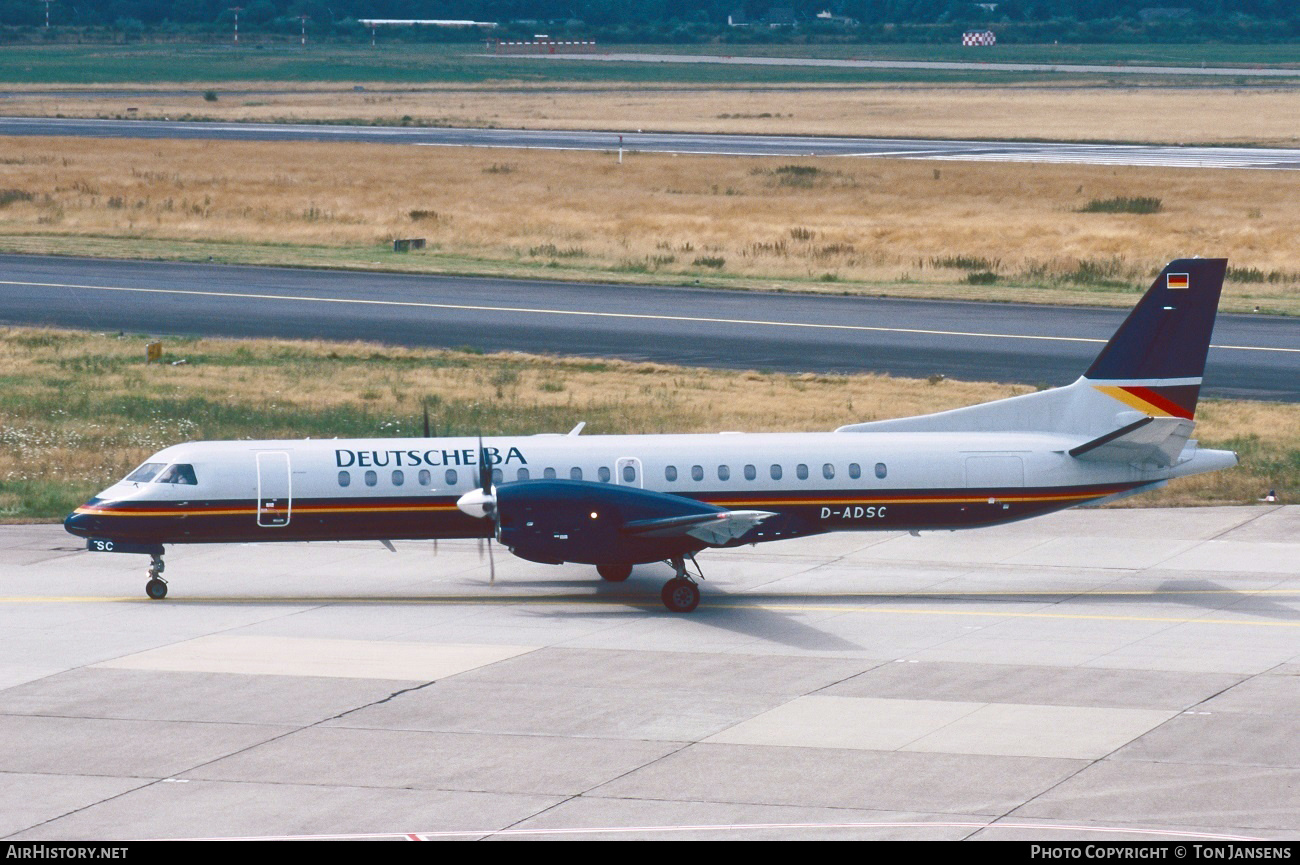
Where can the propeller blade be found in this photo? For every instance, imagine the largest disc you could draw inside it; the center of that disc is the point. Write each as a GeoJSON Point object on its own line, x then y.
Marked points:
{"type": "Point", "coordinates": [484, 468]}
{"type": "Point", "coordinates": [426, 422]}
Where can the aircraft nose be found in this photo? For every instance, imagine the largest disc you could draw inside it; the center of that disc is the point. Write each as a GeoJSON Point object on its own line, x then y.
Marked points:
{"type": "Point", "coordinates": [80, 524]}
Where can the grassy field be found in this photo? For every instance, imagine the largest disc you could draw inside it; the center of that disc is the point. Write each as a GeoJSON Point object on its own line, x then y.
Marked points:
{"type": "Point", "coordinates": [398, 63]}
{"type": "Point", "coordinates": [78, 410]}
{"type": "Point", "coordinates": [1187, 115]}
{"type": "Point", "coordinates": [393, 64]}
{"type": "Point", "coordinates": [969, 230]}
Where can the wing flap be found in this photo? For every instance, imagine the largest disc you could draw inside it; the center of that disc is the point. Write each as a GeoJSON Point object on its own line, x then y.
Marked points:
{"type": "Point", "coordinates": [714, 528]}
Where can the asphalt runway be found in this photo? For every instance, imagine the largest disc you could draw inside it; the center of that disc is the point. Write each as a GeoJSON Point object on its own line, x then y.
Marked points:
{"type": "Point", "coordinates": [685, 143]}
{"type": "Point", "coordinates": [1255, 357]}
{"type": "Point", "coordinates": [1093, 675]}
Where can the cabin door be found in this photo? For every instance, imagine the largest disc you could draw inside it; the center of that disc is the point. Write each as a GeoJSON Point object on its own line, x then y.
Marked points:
{"type": "Point", "coordinates": [274, 489]}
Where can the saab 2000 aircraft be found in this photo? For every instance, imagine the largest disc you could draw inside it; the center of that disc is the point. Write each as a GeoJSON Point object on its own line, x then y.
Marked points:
{"type": "Point", "coordinates": [618, 501]}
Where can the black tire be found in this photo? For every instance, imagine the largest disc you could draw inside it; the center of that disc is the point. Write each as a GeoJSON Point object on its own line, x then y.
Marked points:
{"type": "Point", "coordinates": [156, 589]}
{"type": "Point", "coordinates": [614, 573]}
{"type": "Point", "coordinates": [680, 596]}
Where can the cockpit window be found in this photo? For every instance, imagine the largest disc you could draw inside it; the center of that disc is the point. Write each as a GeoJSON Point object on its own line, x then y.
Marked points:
{"type": "Point", "coordinates": [145, 473]}
{"type": "Point", "coordinates": [179, 473]}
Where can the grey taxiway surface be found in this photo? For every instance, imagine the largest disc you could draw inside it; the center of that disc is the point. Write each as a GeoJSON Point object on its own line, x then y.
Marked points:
{"type": "Point", "coordinates": [1254, 356]}
{"type": "Point", "coordinates": [1116, 674]}
{"type": "Point", "coordinates": [672, 142]}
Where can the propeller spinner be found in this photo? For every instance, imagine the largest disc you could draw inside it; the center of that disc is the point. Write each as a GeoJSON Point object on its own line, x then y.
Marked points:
{"type": "Point", "coordinates": [481, 502]}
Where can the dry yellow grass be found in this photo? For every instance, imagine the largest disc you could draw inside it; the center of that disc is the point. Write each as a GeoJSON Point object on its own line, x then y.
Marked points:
{"type": "Point", "coordinates": [1173, 115]}
{"type": "Point", "coordinates": [838, 223]}
{"type": "Point", "coordinates": [78, 410]}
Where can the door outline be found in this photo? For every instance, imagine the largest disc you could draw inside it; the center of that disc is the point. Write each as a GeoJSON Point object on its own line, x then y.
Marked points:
{"type": "Point", "coordinates": [274, 489]}
{"type": "Point", "coordinates": [638, 481]}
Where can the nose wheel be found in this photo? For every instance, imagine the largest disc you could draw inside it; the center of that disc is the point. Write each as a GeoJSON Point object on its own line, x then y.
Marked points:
{"type": "Point", "coordinates": [156, 588]}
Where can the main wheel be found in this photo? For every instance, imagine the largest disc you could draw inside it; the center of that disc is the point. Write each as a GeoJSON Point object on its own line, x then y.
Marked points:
{"type": "Point", "coordinates": [680, 596]}
{"type": "Point", "coordinates": [156, 589]}
{"type": "Point", "coordinates": [614, 573]}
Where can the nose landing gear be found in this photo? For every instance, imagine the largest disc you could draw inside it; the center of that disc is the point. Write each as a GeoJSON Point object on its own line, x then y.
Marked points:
{"type": "Point", "coordinates": [156, 588]}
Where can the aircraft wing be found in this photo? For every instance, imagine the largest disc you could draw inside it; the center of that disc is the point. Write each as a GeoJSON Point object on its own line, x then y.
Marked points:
{"type": "Point", "coordinates": [1157, 440]}
{"type": "Point", "coordinates": [715, 528]}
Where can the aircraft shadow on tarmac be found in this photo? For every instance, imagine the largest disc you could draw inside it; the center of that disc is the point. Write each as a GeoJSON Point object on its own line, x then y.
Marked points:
{"type": "Point", "coordinates": [1208, 595]}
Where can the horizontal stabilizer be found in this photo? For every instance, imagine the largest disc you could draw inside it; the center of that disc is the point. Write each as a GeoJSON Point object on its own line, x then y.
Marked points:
{"type": "Point", "coordinates": [1155, 440]}
{"type": "Point", "coordinates": [715, 528]}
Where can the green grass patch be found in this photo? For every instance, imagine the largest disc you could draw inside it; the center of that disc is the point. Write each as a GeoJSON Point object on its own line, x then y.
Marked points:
{"type": "Point", "coordinates": [1123, 204]}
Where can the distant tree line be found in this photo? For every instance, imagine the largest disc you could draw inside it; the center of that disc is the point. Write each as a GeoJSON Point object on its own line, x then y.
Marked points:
{"type": "Point", "coordinates": [1023, 21]}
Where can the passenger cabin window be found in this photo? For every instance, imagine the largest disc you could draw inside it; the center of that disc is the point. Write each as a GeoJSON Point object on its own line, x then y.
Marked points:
{"type": "Point", "coordinates": [496, 476]}
{"type": "Point", "coordinates": [697, 473]}
{"type": "Point", "coordinates": [549, 473]}
{"type": "Point", "coordinates": [724, 473]}
{"type": "Point", "coordinates": [345, 479]}
{"type": "Point", "coordinates": [575, 474]}
{"type": "Point", "coordinates": [399, 477]}
{"type": "Point", "coordinates": [801, 471]}
{"type": "Point", "coordinates": [855, 471]}
{"type": "Point", "coordinates": [881, 471]}
{"type": "Point", "coordinates": [425, 478]}
{"type": "Point", "coordinates": [178, 474]}
{"type": "Point", "coordinates": [602, 474]}
{"type": "Point", "coordinates": [145, 473]}
{"type": "Point", "coordinates": [522, 474]}
{"type": "Point", "coordinates": [828, 471]}
{"type": "Point", "coordinates": [451, 477]}
{"type": "Point", "coordinates": [371, 478]}
{"type": "Point", "coordinates": [750, 473]}
{"type": "Point", "coordinates": [776, 472]}
{"type": "Point", "coordinates": [629, 474]}
{"type": "Point", "coordinates": [670, 473]}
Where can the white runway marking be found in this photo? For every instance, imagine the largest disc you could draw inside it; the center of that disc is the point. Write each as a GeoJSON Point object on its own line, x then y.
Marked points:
{"type": "Point", "coordinates": [752, 322]}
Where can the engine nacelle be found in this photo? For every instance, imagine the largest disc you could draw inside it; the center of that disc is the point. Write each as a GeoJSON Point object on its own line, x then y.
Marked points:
{"type": "Point", "coordinates": [554, 521]}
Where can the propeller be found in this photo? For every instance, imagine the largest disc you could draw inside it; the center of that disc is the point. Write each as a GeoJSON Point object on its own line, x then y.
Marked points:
{"type": "Point", "coordinates": [481, 503]}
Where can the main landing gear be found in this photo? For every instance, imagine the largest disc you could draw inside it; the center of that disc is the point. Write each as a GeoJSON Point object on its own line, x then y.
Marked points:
{"type": "Point", "coordinates": [156, 588]}
{"type": "Point", "coordinates": [681, 594]}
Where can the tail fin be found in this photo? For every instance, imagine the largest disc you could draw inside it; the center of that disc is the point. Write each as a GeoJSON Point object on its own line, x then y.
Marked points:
{"type": "Point", "coordinates": [1155, 361]}
{"type": "Point", "coordinates": [1151, 368]}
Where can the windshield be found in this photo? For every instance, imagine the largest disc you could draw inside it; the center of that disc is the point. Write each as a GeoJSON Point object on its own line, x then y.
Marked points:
{"type": "Point", "coordinates": [178, 474]}
{"type": "Point", "coordinates": [145, 473]}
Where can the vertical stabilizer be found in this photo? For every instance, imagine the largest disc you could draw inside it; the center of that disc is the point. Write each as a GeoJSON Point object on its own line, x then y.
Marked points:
{"type": "Point", "coordinates": [1155, 361]}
